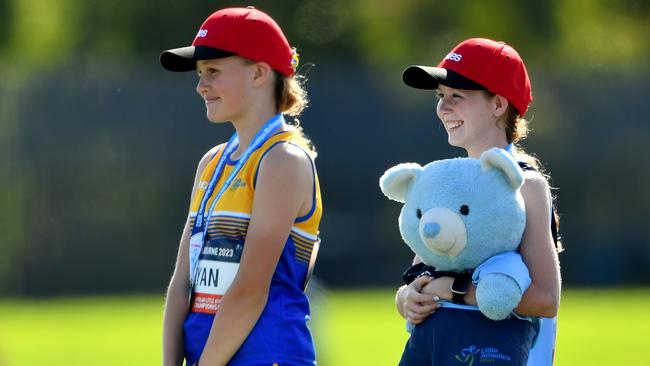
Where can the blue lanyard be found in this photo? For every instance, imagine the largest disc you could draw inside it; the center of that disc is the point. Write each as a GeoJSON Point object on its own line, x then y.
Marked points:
{"type": "Point", "coordinates": [230, 147]}
{"type": "Point", "coordinates": [202, 220]}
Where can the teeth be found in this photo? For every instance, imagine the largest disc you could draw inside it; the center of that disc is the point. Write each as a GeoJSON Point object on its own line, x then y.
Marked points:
{"type": "Point", "coordinates": [454, 124]}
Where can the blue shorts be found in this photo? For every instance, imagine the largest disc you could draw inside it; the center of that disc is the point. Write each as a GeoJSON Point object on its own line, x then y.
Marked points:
{"type": "Point", "coordinates": [452, 337]}
{"type": "Point", "coordinates": [269, 364]}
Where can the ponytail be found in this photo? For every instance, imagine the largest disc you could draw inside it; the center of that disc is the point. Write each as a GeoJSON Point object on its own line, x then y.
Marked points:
{"type": "Point", "coordinates": [290, 100]}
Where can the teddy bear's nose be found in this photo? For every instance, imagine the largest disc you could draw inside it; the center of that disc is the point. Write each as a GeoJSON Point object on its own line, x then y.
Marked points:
{"type": "Point", "coordinates": [431, 229]}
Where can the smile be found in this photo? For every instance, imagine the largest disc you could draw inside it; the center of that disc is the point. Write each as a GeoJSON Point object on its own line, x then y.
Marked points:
{"type": "Point", "coordinates": [451, 125]}
{"type": "Point", "coordinates": [211, 100]}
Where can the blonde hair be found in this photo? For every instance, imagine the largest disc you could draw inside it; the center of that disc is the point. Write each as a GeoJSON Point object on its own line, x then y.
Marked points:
{"type": "Point", "coordinates": [516, 128]}
{"type": "Point", "coordinates": [290, 94]}
{"type": "Point", "coordinates": [291, 100]}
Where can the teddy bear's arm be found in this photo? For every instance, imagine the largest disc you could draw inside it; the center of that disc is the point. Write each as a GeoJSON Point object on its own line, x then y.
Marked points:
{"type": "Point", "coordinates": [497, 295]}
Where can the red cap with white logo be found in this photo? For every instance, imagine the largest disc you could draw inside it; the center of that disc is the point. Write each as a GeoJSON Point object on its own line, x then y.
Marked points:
{"type": "Point", "coordinates": [476, 64]}
{"type": "Point", "coordinates": [247, 32]}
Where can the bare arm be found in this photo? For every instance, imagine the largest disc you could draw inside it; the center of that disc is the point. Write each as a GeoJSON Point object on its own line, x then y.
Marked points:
{"type": "Point", "coordinates": [283, 190]}
{"type": "Point", "coordinates": [538, 251]}
{"type": "Point", "coordinates": [177, 300]}
{"type": "Point", "coordinates": [176, 304]}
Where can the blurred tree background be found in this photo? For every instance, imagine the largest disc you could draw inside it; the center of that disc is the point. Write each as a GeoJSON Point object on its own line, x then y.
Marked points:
{"type": "Point", "coordinates": [98, 144]}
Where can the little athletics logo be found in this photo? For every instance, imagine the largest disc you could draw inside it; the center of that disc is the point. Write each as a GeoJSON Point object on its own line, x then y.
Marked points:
{"type": "Point", "coordinates": [473, 354]}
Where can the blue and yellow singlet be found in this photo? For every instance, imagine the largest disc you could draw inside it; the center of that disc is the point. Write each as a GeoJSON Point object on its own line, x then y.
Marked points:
{"type": "Point", "coordinates": [281, 334]}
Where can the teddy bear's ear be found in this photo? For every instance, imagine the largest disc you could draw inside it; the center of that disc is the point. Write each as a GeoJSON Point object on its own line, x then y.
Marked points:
{"type": "Point", "coordinates": [500, 159]}
{"type": "Point", "coordinates": [397, 181]}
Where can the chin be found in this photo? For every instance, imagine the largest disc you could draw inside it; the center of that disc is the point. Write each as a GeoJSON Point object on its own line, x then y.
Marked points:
{"type": "Point", "coordinates": [217, 119]}
{"type": "Point", "coordinates": [453, 142]}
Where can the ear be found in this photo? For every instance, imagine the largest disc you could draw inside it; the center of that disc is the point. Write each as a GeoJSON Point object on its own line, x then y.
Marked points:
{"type": "Point", "coordinates": [501, 160]}
{"type": "Point", "coordinates": [397, 181]}
{"type": "Point", "coordinates": [263, 73]}
{"type": "Point", "coordinates": [500, 106]}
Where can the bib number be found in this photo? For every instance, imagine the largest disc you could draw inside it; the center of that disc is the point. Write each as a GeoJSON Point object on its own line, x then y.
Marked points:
{"type": "Point", "coordinates": [215, 273]}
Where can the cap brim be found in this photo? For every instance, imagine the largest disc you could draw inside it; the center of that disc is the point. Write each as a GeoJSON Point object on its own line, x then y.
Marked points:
{"type": "Point", "coordinates": [184, 58]}
{"type": "Point", "coordinates": [427, 77]}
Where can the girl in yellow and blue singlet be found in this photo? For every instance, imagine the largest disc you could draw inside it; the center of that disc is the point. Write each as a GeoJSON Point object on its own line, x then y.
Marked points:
{"type": "Point", "coordinates": [252, 231]}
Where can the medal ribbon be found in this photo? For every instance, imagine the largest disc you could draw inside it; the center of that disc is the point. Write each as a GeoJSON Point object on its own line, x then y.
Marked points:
{"type": "Point", "coordinates": [202, 221]}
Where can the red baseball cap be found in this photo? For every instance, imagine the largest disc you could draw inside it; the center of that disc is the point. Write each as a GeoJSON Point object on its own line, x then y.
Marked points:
{"type": "Point", "coordinates": [247, 32]}
{"type": "Point", "coordinates": [477, 64]}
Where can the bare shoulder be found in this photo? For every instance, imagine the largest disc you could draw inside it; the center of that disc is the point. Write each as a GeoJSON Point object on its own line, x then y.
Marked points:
{"type": "Point", "coordinates": [535, 187]}
{"type": "Point", "coordinates": [208, 156]}
{"type": "Point", "coordinates": [202, 164]}
{"type": "Point", "coordinates": [286, 159]}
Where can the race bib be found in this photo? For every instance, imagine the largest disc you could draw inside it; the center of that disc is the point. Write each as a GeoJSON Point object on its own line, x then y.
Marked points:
{"type": "Point", "coordinates": [217, 267]}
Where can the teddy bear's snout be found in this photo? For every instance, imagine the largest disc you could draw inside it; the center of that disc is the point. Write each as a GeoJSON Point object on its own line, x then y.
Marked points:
{"type": "Point", "coordinates": [443, 231]}
{"type": "Point", "coordinates": [431, 229]}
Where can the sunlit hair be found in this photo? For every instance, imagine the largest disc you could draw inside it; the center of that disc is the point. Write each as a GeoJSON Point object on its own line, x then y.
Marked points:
{"type": "Point", "coordinates": [290, 94]}
{"type": "Point", "coordinates": [291, 100]}
{"type": "Point", "coordinates": [516, 128]}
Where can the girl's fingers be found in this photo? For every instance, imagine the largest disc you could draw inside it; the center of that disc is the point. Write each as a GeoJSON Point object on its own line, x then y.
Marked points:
{"type": "Point", "coordinates": [415, 297]}
{"type": "Point", "coordinates": [418, 316]}
{"type": "Point", "coordinates": [420, 282]}
{"type": "Point", "coordinates": [424, 310]}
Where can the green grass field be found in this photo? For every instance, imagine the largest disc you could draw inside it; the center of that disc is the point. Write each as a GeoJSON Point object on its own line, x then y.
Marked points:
{"type": "Point", "coordinates": [596, 327]}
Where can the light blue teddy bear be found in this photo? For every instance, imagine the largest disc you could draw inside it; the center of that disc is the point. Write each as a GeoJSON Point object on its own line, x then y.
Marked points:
{"type": "Point", "coordinates": [466, 213]}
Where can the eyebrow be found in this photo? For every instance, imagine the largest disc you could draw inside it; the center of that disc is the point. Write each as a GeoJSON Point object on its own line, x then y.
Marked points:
{"type": "Point", "coordinates": [211, 62]}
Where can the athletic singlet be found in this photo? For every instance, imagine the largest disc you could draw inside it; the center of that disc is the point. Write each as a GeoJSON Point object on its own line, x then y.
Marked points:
{"type": "Point", "coordinates": [281, 334]}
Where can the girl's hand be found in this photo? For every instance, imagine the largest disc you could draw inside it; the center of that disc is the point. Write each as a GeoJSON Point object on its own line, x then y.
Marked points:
{"type": "Point", "coordinates": [439, 287]}
{"type": "Point", "coordinates": [416, 302]}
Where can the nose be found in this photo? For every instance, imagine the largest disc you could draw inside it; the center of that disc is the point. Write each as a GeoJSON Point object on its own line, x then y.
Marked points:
{"type": "Point", "coordinates": [431, 229]}
{"type": "Point", "coordinates": [443, 106]}
{"type": "Point", "coordinates": [202, 87]}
